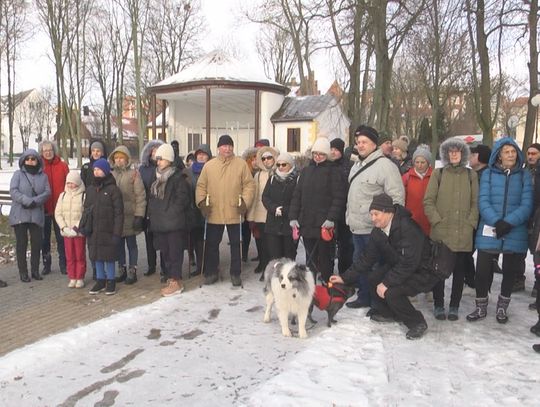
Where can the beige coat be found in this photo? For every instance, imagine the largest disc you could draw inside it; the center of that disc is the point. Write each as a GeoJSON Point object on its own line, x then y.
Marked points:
{"type": "Point", "coordinates": [133, 193]}
{"type": "Point", "coordinates": [225, 181]}
{"type": "Point", "coordinates": [69, 208]}
{"type": "Point", "coordinates": [257, 211]}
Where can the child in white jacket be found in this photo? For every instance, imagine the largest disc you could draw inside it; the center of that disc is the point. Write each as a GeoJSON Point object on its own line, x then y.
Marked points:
{"type": "Point", "coordinates": [68, 212]}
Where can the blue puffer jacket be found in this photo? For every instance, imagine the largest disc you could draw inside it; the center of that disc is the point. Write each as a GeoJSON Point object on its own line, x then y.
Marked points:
{"type": "Point", "coordinates": [506, 195]}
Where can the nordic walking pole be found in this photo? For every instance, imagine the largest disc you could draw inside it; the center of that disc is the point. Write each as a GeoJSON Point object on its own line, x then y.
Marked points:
{"type": "Point", "coordinates": [240, 231]}
{"type": "Point", "coordinates": [201, 275]}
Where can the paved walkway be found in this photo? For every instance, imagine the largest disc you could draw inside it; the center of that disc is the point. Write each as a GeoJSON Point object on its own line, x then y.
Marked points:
{"type": "Point", "coordinates": [32, 311]}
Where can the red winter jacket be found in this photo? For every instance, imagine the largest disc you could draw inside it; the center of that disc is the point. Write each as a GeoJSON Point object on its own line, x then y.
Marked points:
{"type": "Point", "coordinates": [415, 189]}
{"type": "Point", "coordinates": [57, 171]}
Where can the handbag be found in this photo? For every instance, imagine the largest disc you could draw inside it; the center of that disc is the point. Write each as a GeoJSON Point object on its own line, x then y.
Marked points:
{"type": "Point", "coordinates": [86, 222]}
{"type": "Point", "coordinates": [443, 259]}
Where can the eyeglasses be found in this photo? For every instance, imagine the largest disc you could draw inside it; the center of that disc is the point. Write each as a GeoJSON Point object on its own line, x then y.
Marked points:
{"type": "Point", "coordinates": [281, 164]}
{"type": "Point", "coordinates": [30, 159]}
{"type": "Point", "coordinates": [267, 158]}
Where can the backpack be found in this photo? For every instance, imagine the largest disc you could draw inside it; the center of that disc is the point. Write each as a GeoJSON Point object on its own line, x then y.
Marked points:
{"type": "Point", "coordinates": [442, 260]}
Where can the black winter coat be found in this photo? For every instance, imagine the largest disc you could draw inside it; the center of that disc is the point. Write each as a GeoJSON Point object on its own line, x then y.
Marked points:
{"type": "Point", "coordinates": [171, 213]}
{"type": "Point", "coordinates": [406, 253]}
{"type": "Point", "coordinates": [278, 192]}
{"type": "Point", "coordinates": [319, 195]}
{"type": "Point", "coordinates": [107, 219]}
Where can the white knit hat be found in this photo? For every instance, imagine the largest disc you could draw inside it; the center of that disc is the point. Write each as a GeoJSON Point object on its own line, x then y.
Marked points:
{"type": "Point", "coordinates": [74, 177]}
{"type": "Point", "coordinates": [321, 145]}
{"type": "Point", "coordinates": [165, 152]}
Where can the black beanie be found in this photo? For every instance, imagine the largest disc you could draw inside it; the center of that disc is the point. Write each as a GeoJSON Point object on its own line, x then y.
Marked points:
{"type": "Point", "coordinates": [369, 132]}
{"type": "Point", "coordinates": [534, 145]}
{"type": "Point", "coordinates": [225, 140]}
{"type": "Point", "coordinates": [484, 152]}
{"type": "Point", "coordinates": [338, 144]}
{"type": "Point", "coordinates": [382, 203]}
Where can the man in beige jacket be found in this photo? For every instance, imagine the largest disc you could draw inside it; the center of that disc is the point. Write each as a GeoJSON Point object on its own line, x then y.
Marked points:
{"type": "Point", "coordinates": [224, 192]}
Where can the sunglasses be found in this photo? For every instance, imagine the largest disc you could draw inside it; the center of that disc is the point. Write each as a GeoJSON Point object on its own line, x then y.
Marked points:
{"type": "Point", "coordinates": [30, 159]}
{"type": "Point", "coordinates": [267, 158]}
{"type": "Point", "coordinates": [281, 164]}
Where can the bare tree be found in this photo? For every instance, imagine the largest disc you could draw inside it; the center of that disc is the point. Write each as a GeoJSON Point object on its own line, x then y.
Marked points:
{"type": "Point", "coordinates": [13, 29]}
{"type": "Point", "coordinates": [277, 54]}
{"type": "Point", "coordinates": [532, 111]}
{"type": "Point", "coordinates": [44, 114]}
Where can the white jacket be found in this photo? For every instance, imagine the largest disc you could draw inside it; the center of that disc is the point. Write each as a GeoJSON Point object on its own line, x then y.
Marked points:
{"type": "Point", "coordinates": [69, 208]}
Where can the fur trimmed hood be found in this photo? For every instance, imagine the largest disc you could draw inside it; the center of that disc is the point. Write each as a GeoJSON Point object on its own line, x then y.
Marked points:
{"type": "Point", "coordinates": [263, 150]}
{"type": "Point", "coordinates": [147, 151]}
{"type": "Point", "coordinates": [454, 142]}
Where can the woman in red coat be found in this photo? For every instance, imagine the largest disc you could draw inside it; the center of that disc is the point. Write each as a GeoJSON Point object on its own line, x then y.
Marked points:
{"type": "Point", "coordinates": [415, 181]}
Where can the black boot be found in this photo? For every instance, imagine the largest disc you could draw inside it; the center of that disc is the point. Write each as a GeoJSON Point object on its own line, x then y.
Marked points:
{"type": "Point", "coordinates": [111, 287]}
{"type": "Point", "coordinates": [417, 331]}
{"type": "Point", "coordinates": [535, 329]}
{"type": "Point", "coordinates": [24, 276]}
{"type": "Point", "coordinates": [98, 287]}
{"type": "Point", "coordinates": [46, 263]}
{"type": "Point", "coordinates": [122, 274]}
{"type": "Point", "coordinates": [131, 275]}
{"type": "Point", "coordinates": [536, 347]}
{"type": "Point", "coordinates": [3, 284]}
{"type": "Point", "coordinates": [36, 276]}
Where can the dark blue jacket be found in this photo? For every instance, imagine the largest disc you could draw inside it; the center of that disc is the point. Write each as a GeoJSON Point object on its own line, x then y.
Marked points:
{"type": "Point", "coordinates": [506, 195]}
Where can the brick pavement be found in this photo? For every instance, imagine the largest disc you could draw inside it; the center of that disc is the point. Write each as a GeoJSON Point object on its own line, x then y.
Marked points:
{"type": "Point", "coordinates": [32, 311]}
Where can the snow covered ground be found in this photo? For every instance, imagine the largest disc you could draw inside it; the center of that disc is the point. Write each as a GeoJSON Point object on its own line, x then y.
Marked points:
{"type": "Point", "coordinates": [209, 347]}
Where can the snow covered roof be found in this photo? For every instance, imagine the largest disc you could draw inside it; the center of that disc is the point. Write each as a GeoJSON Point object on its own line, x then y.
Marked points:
{"type": "Point", "coordinates": [303, 108]}
{"type": "Point", "coordinates": [218, 66]}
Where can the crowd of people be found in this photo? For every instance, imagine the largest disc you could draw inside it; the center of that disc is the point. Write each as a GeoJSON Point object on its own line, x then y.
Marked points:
{"type": "Point", "coordinates": [373, 206]}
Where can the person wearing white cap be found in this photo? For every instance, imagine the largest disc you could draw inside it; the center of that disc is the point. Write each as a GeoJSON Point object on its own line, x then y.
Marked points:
{"type": "Point", "coordinates": [318, 203]}
{"type": "Point", "coordinates": [68, 212]}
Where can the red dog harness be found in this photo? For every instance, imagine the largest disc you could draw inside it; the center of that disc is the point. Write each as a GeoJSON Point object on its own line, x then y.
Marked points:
{"type": "Point", "coordinates": [323, 299]}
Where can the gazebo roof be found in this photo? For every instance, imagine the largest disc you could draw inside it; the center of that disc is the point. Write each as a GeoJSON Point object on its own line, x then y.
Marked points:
{"type": "Point", "coordinates": [218, 69]}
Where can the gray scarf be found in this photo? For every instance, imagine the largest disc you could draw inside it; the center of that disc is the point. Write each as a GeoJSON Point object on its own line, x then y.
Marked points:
{"type": "Point", "coordinates": [158, 186]}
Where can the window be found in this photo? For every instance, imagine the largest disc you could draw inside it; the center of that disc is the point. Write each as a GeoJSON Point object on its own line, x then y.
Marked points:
{"type": "Point", "coordinates": [194, 141]}
{"type": "Point", "coordinates": [293, 140]}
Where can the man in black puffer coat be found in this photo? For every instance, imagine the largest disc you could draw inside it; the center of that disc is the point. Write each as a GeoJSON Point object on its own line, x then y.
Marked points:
{"type": "Point", "coordinates": [406, 271]}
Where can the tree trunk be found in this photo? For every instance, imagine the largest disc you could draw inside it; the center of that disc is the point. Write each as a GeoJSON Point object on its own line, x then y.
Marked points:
{"type": "Point", "coordinates": [532, 111]}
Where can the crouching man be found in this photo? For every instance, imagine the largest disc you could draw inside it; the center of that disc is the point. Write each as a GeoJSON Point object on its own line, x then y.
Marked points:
{"type": "Point", "coordinates": [397, 265]}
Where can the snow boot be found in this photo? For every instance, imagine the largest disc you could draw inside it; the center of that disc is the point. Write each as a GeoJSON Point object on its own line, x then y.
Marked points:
{"type": "Point", "coordinates": [131, 275]}
{"type": "Point", "coordinates": [502, 306]}
{"type": "Point", "coordinates": [121, 274]}
{"type": "Point", "coordinates": [439, 313]}
{"type": "Point", "coordinates": [98, 287]}
{"type": "Point", "coordinates": [111, 287]}
{"type": "Point", "coordinates": [535, 329]}
{"type": "Point", "coordinates": [481, 310]}
{"type": "Point", "coordinates": [173, 287]}
{"type": "Point", "coordinates": [47, 261]}
{"type": "Point", "coordinates": [453, 313]}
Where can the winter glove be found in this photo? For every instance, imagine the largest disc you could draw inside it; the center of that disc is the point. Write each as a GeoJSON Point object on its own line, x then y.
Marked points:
{"type": "Point", "coordinates": [31, 205]}
{"type": "Point", "coordinates": [242, 208]}
{"type": "Point", "coordinates": [138, 223]}
{"type": "Point", "coordinates": [69, 232]}
{"type": "Point", "coordinates": [278, 211]}
{"type": "Point", "coordinates": [116, 240]}
{"type": "Point", "coordinates": [204, 208]}
{"type": "Point", "coordinates": [328, 224]}
{"type": "Point", "coordinates": [502, 228]}
{"type": "Point", "coordinates": [294, 224]}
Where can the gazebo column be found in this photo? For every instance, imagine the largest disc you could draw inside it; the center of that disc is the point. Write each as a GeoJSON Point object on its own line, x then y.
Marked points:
{"type": "Point", "coordinates": [208, 115]}
{"type": "Point", "coordinates": [153, 104]}
{"type": "Point", "coordinates": [257, 115]}
{"type": "Point", "coordinates": [163, 122]}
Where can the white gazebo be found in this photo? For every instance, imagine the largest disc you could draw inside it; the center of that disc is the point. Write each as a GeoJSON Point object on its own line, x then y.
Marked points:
{"type": "Point", "coordinates": [216, 95]}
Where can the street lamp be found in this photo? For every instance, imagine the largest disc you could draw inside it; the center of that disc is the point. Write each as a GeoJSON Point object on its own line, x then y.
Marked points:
{"type": "Point", "coordinates": [535, 101]}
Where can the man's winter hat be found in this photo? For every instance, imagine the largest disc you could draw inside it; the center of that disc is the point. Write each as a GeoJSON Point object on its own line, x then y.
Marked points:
{"type": "Point", "coordinates": [97, 145]}
{"type": "Point", "coordinates": [225, 140]}
{"type": "Point", "coordinates": [321, 145]}
{"type": "Point", "coordinates": [384, 137]}
{"type": "Point", "coordinates": [285, 157]}
{"type": "Point", "coordinates": [74, 177]}
{"type": "Point", "coordinates": [534, 145]}
{"type": "Point", "coordinates": [262, 143]}
{"type": "Point", "coordinates": [484, 152]}
{"type": "Point", "coordinates": [165, 152]}
{"type": "Point", "coordinates": [422, 151]}
{"type": "Point", "coordinates": [338, 144]}
{"type": "Point", "coordinates": [103, 165]}
{"type": "Point", "coordinates": [382, 203]}
{"type": "Point", "coordinates": [369, 132]}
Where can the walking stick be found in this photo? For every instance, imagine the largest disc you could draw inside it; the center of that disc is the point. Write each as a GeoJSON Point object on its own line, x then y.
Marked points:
{"type": "Point", "coordinates": [201, 275]}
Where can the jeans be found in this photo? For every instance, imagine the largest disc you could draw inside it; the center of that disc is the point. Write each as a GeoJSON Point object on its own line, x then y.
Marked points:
{"type": "Point", "coordinates": [133, 251]}
{"type": "Point", "coordinates": [360, 243]}
{"type": "Point", "coordinates": [46, 245]}
{"type": "Point", "coordinates": [103, 267]}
